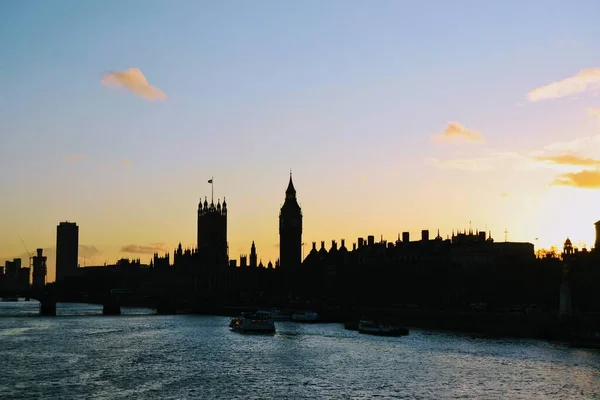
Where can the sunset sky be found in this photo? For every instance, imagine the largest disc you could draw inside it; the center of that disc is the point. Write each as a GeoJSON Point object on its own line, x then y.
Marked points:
{"type": "Point", "coordinates": [393, 115]}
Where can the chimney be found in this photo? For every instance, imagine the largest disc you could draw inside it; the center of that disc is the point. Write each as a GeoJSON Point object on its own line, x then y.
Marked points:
{"type": "Point", "coordinates": [482, 236]}
{"type": "Point", "coordinates": [371, 239]}
{"type": "Point", "coordinates": [425, 235]}
{"type": "Point", "coordinates": [405, 237]}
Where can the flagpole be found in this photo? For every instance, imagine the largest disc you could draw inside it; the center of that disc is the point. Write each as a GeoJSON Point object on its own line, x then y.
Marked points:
{"type": "Point", "coordinates": [212, 191]}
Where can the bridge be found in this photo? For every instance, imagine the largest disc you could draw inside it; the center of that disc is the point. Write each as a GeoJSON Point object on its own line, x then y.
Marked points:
{"type": "Point", "coordinates": [111, 300]}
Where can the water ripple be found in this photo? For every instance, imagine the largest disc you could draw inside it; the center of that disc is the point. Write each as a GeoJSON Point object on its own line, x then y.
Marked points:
{"type": "Point", "coordinates": [83, 355]}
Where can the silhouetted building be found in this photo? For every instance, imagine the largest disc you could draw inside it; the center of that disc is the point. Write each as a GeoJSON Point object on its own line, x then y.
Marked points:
{"type": "Point", "coordinates": [597, 243]}
{"type": "Point", "coordinates": [39, 269]}
{"type": "Point", "coordinates": [67, 249]}
{"type": "Point", "coordinates": [12, 268]}
{"type": "Point", "coordinates": [212, 233]}
{"type": "Point", "coordinates": [253, 256]}
{"type": "Point", "coordinates": [567, 249]}
{"type": "Point", "coordinates": [290, 230]}
{"type": "Point", "coordinates": [162, 263]}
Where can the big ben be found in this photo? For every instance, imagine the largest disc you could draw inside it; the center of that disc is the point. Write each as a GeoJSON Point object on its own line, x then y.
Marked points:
{"type": "Point", "coordinates": [290, 230]}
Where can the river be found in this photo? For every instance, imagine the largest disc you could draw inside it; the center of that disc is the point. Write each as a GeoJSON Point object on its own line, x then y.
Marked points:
{"type": "Point", "coordinates": [81, 353]}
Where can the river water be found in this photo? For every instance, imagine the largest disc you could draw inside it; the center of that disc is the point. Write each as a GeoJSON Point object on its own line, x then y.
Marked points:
{"type": "Point", "coordinates": [138, 355]}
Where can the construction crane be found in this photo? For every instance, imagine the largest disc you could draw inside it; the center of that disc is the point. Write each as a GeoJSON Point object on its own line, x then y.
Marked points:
{"type": "Point", "coordinates": [27, 251]}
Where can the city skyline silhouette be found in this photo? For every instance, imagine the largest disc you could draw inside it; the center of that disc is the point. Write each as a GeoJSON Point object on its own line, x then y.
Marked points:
{"type": "Point", "coordinates": [402, 125]}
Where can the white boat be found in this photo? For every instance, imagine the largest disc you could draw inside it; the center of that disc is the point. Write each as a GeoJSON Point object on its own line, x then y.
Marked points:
{"type": "Point", "coordinates": [305, 316]}
{"type": "Point", "coordinates": [276, 314]}
{"type": "Point", "coordinates": [370, 327]}
{"type": "Point", "coordinates": [255, 323]}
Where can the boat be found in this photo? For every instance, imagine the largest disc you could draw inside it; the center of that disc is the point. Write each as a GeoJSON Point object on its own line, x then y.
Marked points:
{"type": "Point", "coordinates": [370, 327]}
{"type": "Point", "coordinates": [305, 316]}
{"type": "Point", "coordinates": [252, 323]}
{"type": "Point", "coordinates": [10, 298]}
{"type": "Point", "coordinates": [276, 314]}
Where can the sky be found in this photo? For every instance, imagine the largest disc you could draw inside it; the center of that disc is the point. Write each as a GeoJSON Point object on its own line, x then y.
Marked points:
{"type": "Point", "coordinates": [393, 116]}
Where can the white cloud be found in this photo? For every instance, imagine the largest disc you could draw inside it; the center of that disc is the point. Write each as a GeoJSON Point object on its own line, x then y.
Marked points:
{"type": "Point", "coordinates": [587, 146]}
{"type": "Point", "coordinates": [133, 80]}
{"type": "Point", "coordinates": [585, 80]}
{"type": "Point", "coordinates": [455, 131]}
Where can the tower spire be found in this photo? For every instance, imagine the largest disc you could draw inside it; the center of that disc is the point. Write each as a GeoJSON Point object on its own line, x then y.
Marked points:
{"type": "Point", "coordinates": [290, 191]}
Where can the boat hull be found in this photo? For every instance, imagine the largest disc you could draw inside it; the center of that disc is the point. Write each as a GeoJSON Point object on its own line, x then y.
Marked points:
{"type": "Point", "coordinates": [392, 332]}
{"type": "Point", "coordinates": [368, 327]}
{"type": "Point", "coordinates": [256, 323]}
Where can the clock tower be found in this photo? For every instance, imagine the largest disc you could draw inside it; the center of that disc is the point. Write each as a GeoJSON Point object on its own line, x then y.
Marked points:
{"type": "Point", "coordinates": [290, 230]}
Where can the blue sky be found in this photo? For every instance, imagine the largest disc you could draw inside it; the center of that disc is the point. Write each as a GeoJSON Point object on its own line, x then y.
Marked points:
{"type": "Point", "coordinates": [347, 93]}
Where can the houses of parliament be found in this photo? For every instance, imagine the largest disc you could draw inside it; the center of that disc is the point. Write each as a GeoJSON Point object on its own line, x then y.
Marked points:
{"type": "Point", "coordinates": [212, 249]}
{"type": "Point", "coordinates": [466, 247]}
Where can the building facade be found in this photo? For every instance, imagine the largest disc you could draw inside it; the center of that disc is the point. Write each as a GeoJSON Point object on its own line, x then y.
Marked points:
{"type": "Point", "coordinates": [67, 250]}
{"type": "Point", "coordinates": [39, 269]}
{"type": "Point", "coordinates": [290, 230]}
{"type": "Point", "coordinates": [212, 244]}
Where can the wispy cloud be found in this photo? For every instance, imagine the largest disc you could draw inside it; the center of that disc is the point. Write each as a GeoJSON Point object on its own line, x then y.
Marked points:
{"type": "Point", "coordinates": [583, 145]}
{"type": "Point", "coordinates": [569, 159]}
{"type": "Point", "coordinates": [127, 162]}
{"type": "Point", "coordinates": [585, 80]}
{"type": "Point", "coordinates": [145, 249]}
{"type": "Point", "coordinates": [587, 179]}
{"type": "Point", "coordinates": [74, 158]}
{"type": "Point", "coordinates": [577, 162]}
{"type": "Point", "coordinates": [489, 160]}
{"type": "Point", "coordinates": [133, 80]}
{"type": "Point", "coordinates": [455, 131]}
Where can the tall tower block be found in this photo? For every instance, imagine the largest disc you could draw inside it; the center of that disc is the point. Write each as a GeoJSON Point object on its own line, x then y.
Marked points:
{"type": "Point", "coordinates": [290, 230]}
{"type": "Point", "coordinates": [212, 233]}
{"type": "Point", "coordinates": [39, 269]}
{"type": "Point", "coordinates": [67, 249]}
{"type": "Point", "coordinates": [597, 243]}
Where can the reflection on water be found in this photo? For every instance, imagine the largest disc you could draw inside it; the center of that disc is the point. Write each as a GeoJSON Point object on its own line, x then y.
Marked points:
{"type": "Point", "coordinates": [83, 354]}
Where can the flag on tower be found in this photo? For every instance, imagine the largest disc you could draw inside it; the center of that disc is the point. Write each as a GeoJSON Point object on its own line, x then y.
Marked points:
{"type": "Point", "coordinates": [210, 180]}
